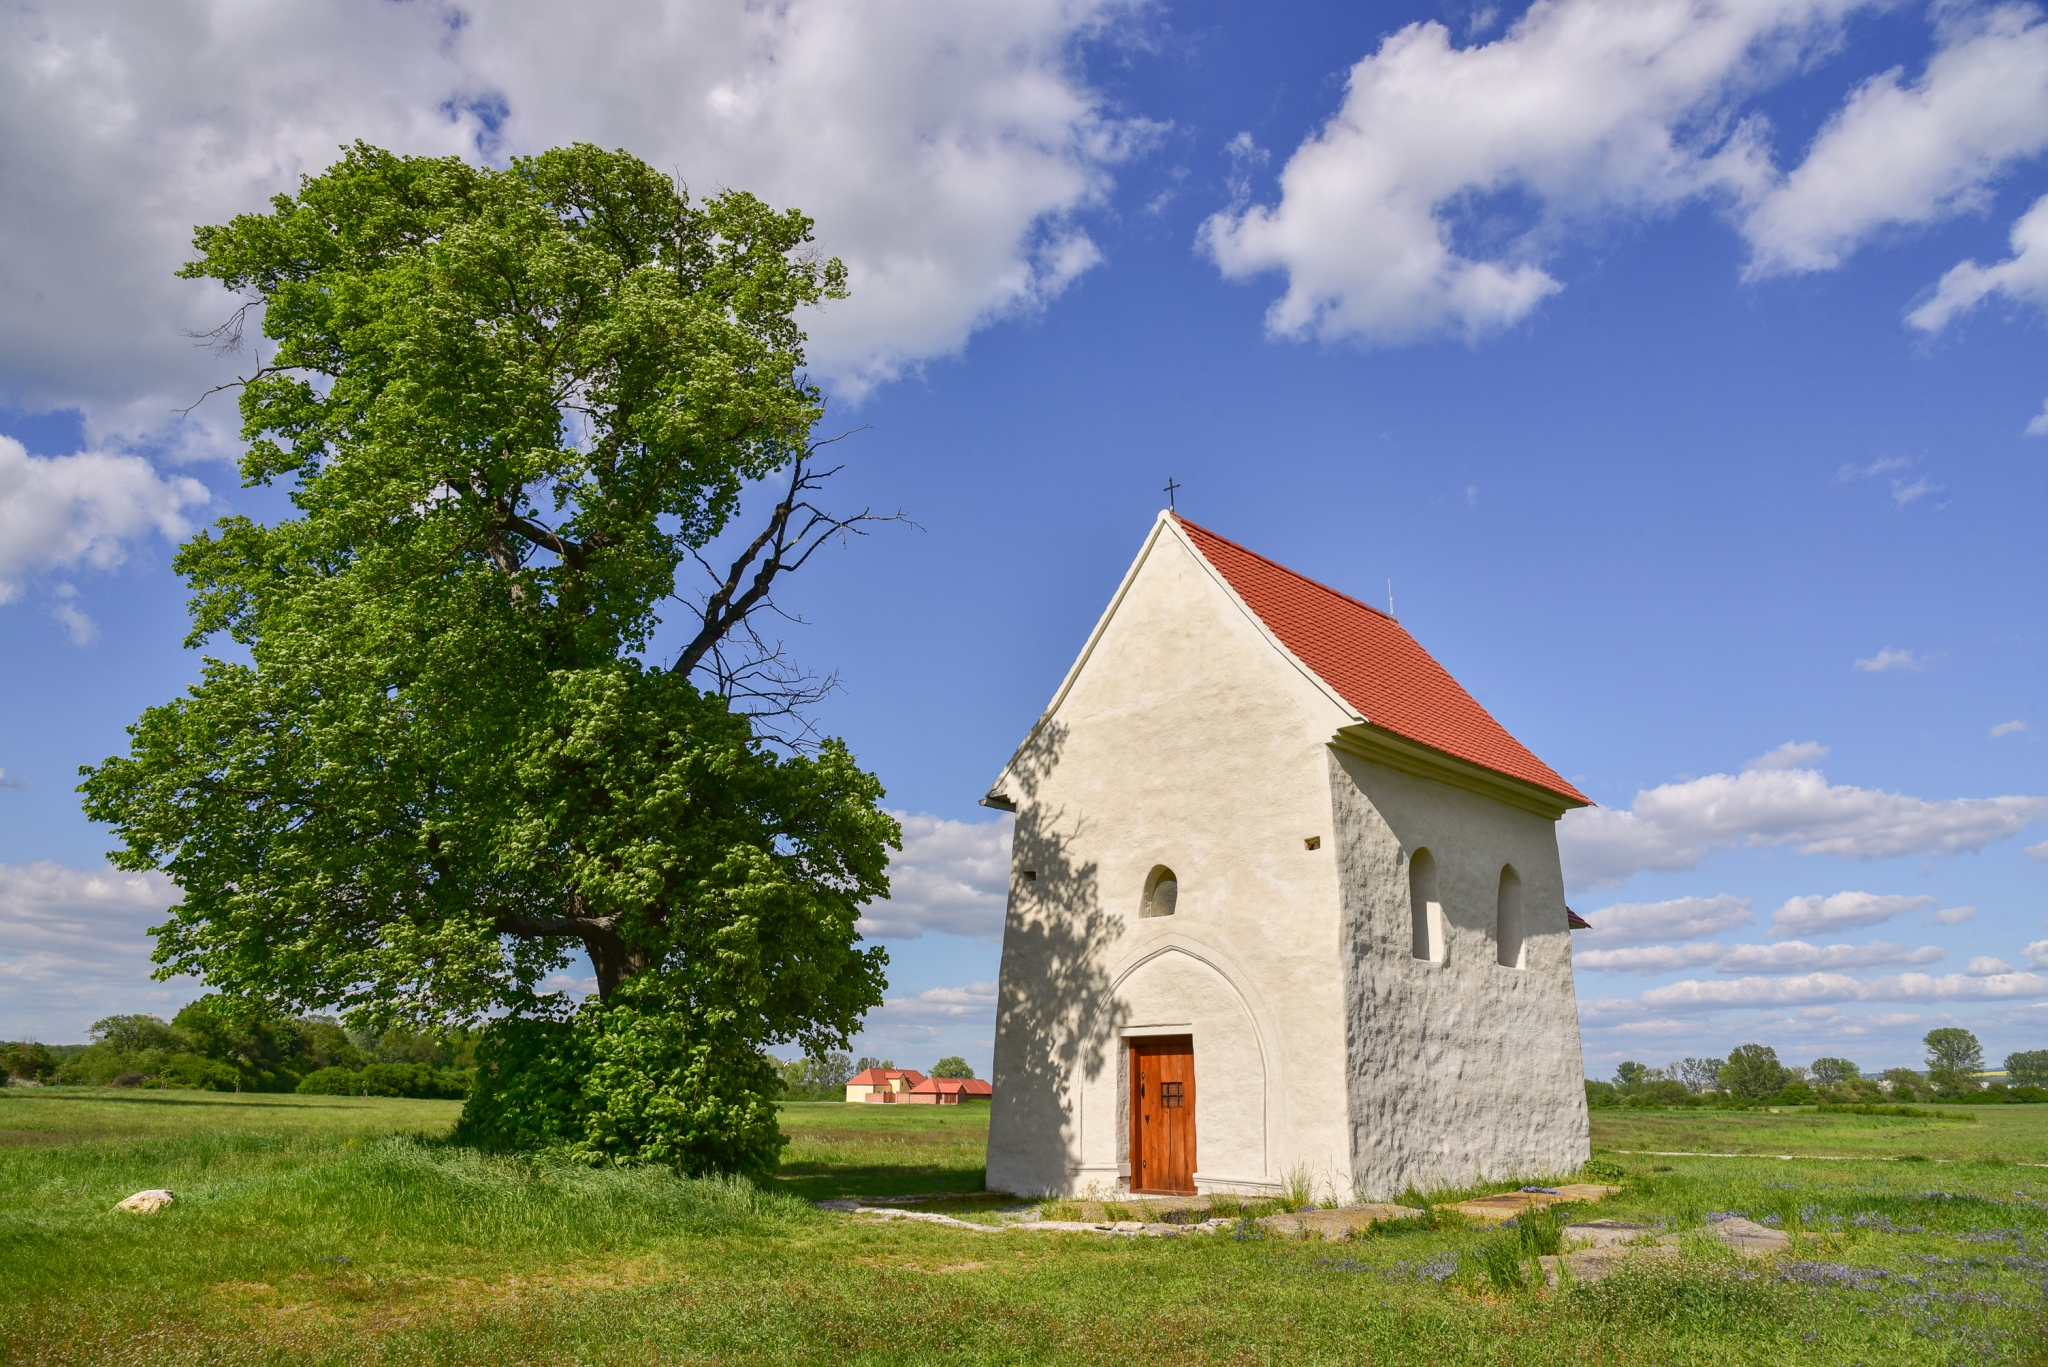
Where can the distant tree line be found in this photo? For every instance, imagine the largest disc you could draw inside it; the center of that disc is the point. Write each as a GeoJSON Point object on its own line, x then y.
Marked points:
{"type": "Point", "coordinates": [214, 1045]}
{"type": "Point", "coordinates": [1751, 1075]}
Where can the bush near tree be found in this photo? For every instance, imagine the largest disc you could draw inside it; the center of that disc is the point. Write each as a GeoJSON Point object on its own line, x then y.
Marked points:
{"type": "Point", "coordinates": [515, 408]}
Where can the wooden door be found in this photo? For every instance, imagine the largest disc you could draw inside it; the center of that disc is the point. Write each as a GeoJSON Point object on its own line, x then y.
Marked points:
{"type": "Point", "coordinates": [1163, 1114]}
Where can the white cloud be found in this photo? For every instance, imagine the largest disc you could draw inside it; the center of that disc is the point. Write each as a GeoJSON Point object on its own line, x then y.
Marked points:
{"type": "Point", "coordinates": [81, 628]}
{"type": "Point", "coordinates": [2039, 851]}
{"type": "Point", "coordinates": [2038, 426]}
{"type": "Point", "coordinates": [2009, 728]}
{"type": "Point", "coordinates": [1985, 966]}
{"type": "Point", "coordinates": [2037, 954]}
{"type": "Point", "coordinates": [1813, 988]}
{"type": "Point", "coordinates": [943, 149]}
{"type": "Point", "coordinates": [1872, 470]}
{"type": "Point", "coordinates": [1888, 660]}
{"type": "Point", "coordinates": [952, 876]}
{"type": "Point", "coordinates": [1795, 956]}
{"type": "Point", "coordinates": [2022, 277]}
{"type": "Point", "coordinates": [1647, 959]}
{"type": "Point", "coordinates": [1793, 754]}
{"type": "Point", "coordinates": [1903, 154]}
{"type": "Point", "coordinates": [1952, 916]}
{"type": "Point", "coordinates": [1675, 826]}
{"type": "Point", "coordinates": [939, 1019]}
{"type": "Point", "coordinates": [1630, 924]}
{"type": "Point", "coordinates": [1587, 107]}
{"type": "Point", "coordinates": [1843, 911]}
{"type": "Point", "coordinates": [83, 510]}
{"type": "Point", "coordinates": [1904, 493]}
{"type": "Point", "coordinates": [74, 946]}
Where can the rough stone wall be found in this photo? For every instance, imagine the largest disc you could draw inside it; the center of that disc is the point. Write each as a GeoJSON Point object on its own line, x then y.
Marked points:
{"type": "Point", "coordinates": [1464, 1069]}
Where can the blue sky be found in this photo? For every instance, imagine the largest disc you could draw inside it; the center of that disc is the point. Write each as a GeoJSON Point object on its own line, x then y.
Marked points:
{"type": "Point", "coordinates": [1635, 344]}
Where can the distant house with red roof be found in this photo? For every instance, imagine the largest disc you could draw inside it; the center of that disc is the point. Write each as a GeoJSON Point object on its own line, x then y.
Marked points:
{"type": "Point", "coordinates": [908, 1086]}
{"type": "Point", "coordinates": [1284, 897]}
{"type": "Point", "coordinates": [949, 1091]}
{"type": "Point", "coordinates": [882, 1084]}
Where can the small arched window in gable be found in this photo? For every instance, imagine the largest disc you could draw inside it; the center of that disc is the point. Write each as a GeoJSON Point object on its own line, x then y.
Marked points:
{"type": "Point", "coordinates": [1508, 935]}
{"type": "Point", "coordinates": [1162, 891]}
{"type": "Point", "coordinates": [1425, 907]}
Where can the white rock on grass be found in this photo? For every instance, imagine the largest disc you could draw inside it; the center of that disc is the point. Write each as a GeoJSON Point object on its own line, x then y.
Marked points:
{"type": "Point", "coordinates": [147, 1202]}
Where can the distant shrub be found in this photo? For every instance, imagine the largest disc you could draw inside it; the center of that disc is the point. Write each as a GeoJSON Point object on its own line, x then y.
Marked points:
{"type": "Point", "coordinates": [1601, 1095]}
{"type": "Point", "coordinates": [1911, 1112]}
{"type": "Point", "coordinates": [388, 1079]}
{"type": "Point", "coordinates": [26, 1061]}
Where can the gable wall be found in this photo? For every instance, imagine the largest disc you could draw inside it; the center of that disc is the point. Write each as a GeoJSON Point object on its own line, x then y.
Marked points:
{"type": "Point", "coordinates": [1187, 740]}
{"type": "Point", "coordinates": [1463, 1069]}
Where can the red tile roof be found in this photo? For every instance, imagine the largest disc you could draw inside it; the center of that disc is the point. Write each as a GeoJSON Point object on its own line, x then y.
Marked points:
{"type": "Point", "coordinates": [879, 1077]}
{"type": "Point", "coordinates": [1373, 664]}
{"type": "Point", "coordinates": [966, 1086]}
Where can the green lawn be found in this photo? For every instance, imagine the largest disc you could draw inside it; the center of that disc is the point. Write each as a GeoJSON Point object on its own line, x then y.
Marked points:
{"type": "Point", "coordinates": [335, 1230]}
{"type": "Point", "coordinates": [2012, 1134]}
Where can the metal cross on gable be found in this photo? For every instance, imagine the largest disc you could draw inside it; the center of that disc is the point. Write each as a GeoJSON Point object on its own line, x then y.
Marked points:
{"type": "Point", "coordinates": [1171, 485]}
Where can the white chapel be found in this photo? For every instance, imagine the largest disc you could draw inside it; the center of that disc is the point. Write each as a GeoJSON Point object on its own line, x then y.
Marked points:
{"type": "Point", "coordinates": [1284, 903]}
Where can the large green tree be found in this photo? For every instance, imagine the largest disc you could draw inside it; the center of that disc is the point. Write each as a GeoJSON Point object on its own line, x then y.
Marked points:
{"type": "Point", "coordinates": [473, 720]}
{"type": "Point", "coordinates": [1954, 1058]}
{"type": "Point", "coordinates": [1753, 1072]}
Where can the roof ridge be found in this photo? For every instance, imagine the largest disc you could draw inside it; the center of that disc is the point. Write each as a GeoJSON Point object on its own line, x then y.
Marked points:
{"type": "Point", "coordinates": [1293, 573]}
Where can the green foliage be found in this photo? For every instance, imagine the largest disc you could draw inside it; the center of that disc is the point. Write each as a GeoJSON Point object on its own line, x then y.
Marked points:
{"type": "Point", "coordinates": [1906, 1085]}
{"type": "Point", "coordinates": [1601, 1094]}
{"type": "Point", "coordinates": [27, 1061]}
{"type": "Point", "coordinates": [628, 1079]}
{"type": "Point", "coordinates": [865, 1062]}
{"type": "Point", "coordinates": [2028, 1069]}
{"type": "Point", "coordinates": [954, 1066]}
{"type": "Point", "coordinates": [819, 1078]}
{"type": "Point", "coordinates": [1753, 1072]}
{"type": "Point", "coordinates": [138, 1034]}
{"type": "Point", "coordinates": [511, 406]}
{"type": "Point", "coordinates": [1796, 1094]}
{"type": "Point", "coordinates": [1509, 1257]}
{"type": "Point", "coordinates": [1829, 1071]}
{"type": "Point", "coordinates": [1629, 1074]}
{"type": "Point", "coordinates": [1954, 1058]}
{"type": "Point", "coordinates": [388, 1079]}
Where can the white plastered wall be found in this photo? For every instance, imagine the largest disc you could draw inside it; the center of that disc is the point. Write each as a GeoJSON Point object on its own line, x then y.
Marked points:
{"type": "Point", "coordinates": [1184, 737]}
{"type": "Point", "coordinates": [1463, 1069]}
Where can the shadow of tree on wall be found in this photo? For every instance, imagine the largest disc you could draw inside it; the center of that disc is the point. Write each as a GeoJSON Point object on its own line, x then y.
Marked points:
{"type": "Point", "coordinates": [1055, 1020]}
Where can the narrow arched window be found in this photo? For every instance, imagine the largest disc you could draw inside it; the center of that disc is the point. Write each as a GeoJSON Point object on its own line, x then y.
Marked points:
{"type": "Point", "coordinates": [1507, 926]}
{"type": "Point", "coordinates": [1425, 908]}
{"type": "Point", "coordinates": [1162, 891]}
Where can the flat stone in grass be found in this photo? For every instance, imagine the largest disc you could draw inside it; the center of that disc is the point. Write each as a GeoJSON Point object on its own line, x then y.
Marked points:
{"type": "Point", "coordinates": [1509, 1204]}
{"type": "Point", "coordinates": [147, 1202]}
{"type": "Point", "coordinates": [1341, 1223]}
{"type": "Point", "coordinates": [1602, 1246]}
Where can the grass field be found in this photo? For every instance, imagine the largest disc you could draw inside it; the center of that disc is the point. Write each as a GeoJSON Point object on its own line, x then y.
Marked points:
{"type": "Point", "coordinates": [337, 1230]}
